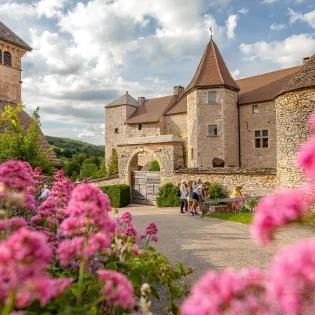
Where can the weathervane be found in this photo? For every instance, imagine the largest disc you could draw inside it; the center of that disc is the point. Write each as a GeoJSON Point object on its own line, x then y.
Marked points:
{"type": "Point", "coordinates": [210, 32]}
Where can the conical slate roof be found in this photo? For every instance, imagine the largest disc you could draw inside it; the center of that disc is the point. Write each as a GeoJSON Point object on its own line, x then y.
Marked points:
{"type": "Point", "coordinates": [8, 36]}
{"type": "Point", "coordinates": [303, 79]}
{"type": "Point", "coordinates": [126, 99]}
{"type": "Point", "coordinates": [212, 70]}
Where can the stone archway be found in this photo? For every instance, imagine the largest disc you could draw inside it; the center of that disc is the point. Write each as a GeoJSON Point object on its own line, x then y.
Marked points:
{"type": "Point", "coordinates": [144, 184]}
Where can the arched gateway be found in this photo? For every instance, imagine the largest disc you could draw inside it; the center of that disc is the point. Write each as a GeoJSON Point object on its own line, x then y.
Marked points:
{"type": "Point", "coordinates": [134, 159]}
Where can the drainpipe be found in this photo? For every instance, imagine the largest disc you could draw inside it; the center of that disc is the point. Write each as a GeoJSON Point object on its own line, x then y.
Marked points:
{"type": "Point", "coordinates": [239, 133]}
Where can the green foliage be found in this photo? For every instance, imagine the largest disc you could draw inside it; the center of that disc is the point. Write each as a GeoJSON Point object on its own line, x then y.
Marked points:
{"type": "Point", "coordinates": [252, 204]}
{"type": "Point", "coordinates": [119, 195]}
{"type": "Point", "coordinates": [64, 147]}
{"type": "Point", "coordinates": [88, 169]}
{"type": "Point", "coordinates": [245, 218]}
{"type": "Point", "coordinates": [167, 196]}
{"type": "Point", "coordinates": [216, 191]}
{"type": "Point", "coordinates": [72, 168]}
{"type": "Point", "coordinates": [20, 143]}
{"type": "Point", "coordinates": [154, 166]}
{"type": "Point", "coordinates": [113, 163]}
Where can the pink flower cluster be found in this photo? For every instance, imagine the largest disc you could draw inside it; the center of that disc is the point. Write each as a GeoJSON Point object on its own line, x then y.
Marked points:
{"type": "Point", "coordinates": [11, 225]}
{"type": "Point", "coordinates": [150, 231]}
{"type": "Point", "coordinates": [131, 231]}
{"type": "Point", "coordinates": [227, 293]}
{"type": "Point", "coordinates": [24, 258]}
{"type": "Point", "coordinates": [278, 210]}
{"type": "Point", "coordinates": [38, 176]}
{"type": "Point", "coordinates": [46, 211]}
{"type": "Point", "coordinates": [125, 218]}
{"type": "Point", "coordinates": [117, 289]}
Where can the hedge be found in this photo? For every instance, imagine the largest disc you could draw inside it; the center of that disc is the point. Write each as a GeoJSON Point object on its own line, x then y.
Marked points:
{"type": "Point", "coordinates": [119, 195]}
{"type": "Point", "coordinates": [167, 196]}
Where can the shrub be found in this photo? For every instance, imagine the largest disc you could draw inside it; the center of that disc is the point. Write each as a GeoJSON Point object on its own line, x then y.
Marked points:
{"type": "Point", "coordinates": [216, 191]}
{"type": "Point", "coordinates": [113, 163]}
{"type": "Point", "coordinates": [119, 195]}
{"type": "Point", "coordinates": [154, 166]}
{"type": "Point", "coordinates": [167, 196]}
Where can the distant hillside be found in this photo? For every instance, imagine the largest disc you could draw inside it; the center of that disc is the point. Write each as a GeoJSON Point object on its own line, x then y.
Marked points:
{"type": "Point", "coordinates": [64, 147]}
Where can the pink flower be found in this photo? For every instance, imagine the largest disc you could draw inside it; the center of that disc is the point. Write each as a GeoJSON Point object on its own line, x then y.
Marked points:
{"type": "Point", "coordinates": [46, 211]}
{"type": "Point", "coordinates": [85, 181]}
{"type": "Point", "coordinates": [277, 210]}
{"type": "Point", "coordinates": [291, 278]}
{"type": "Point", "coordinates": [151, 229]}
{"type": "Point", "coordinates": [125, 218]}
{"type": "Point", "coordinates": [11, 225]}
{"type": "Point", "coordinates": [59, 176]}
{"type": "Point", "coordinates": [306, 158]}
{"type": "Point", "coordinates": [96, 243]}
{"type": "Point", "coordinates": [135, 250]}
{"type": "Point", "coordinates": [227, 293]}
{"type": "Point", "coordinates": [130, 231]}
{"type": "Point", "coordinates": [155, 238]}
{"type": "Point", "coordinates": [70, 249]}
{"type": "Point", "coordinates": [117, 290]}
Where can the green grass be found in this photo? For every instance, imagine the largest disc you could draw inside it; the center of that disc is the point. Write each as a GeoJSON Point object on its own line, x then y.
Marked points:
{"type": "Point", "coordinates": [246, 218]}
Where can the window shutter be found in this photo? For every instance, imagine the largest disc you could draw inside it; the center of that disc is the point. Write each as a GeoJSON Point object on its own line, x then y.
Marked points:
{"type": "Point", "coordinates": [7, 58]}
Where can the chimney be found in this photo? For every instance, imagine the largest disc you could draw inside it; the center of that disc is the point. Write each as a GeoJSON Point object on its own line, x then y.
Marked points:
{"type": "Point", "coordinates": [141, 100]}
{"type": "Point", "coordinates": [305, 59]}
{"type": "Point", "coordinates": [178, 91]}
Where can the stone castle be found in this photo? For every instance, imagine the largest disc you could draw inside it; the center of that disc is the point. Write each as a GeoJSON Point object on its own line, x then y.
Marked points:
{"type": "Point", "coordinates": [217, 128]}
{"type": "Point", "coordinates": [12, 49]}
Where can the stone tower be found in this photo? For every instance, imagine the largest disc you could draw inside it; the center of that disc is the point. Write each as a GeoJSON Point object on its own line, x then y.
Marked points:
{"type": "Point", "coordinates": [116, 114]}
{"type": "Point", "coordinates": [12, 48]}
{"type": "Point", "coordinates": [294, 104]}
{"type": "Point", "coordinates": [212, 114]}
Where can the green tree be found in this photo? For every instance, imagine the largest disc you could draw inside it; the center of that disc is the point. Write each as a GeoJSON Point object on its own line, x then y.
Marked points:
{"type": "Point", "coordinates": [88, 170]}
{"type": "Point", "coordinates": [154, 166]}
{"type": "Point", "coordinates": [72, 168]}
{"type": "Point", "coordinates": [22, 143]}
{"type": "Point", "coordinates": [113, 163]}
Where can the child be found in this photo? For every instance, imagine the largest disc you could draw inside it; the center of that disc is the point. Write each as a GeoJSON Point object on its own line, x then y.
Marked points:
{"type": "Point", "coordinates": [236, 193]}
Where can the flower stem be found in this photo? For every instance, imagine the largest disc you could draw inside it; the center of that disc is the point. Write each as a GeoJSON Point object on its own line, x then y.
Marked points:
{"type": "Point", "coordinates": [9, 306]}
{"type": "Point", "coordinates": [148, 241]}
{"type": "Point", "coordinates": [7, 212]}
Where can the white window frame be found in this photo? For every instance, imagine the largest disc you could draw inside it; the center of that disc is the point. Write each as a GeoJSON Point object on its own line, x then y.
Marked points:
{"type": "Point", "coordinates": [261, 137]}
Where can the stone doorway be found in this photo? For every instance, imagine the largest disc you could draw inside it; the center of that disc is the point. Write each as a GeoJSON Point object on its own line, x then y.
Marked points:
{"type": "Point", "coordinates": [144, 187]}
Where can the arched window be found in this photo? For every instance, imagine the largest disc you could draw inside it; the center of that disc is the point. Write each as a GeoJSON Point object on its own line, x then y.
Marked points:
{"type": "Point", "coordinates": [7, 58]}
{"type": "Point", "coordinates": [0, 56]}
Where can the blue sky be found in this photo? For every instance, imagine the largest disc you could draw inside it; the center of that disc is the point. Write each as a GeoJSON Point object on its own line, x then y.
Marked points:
{"type": "Point", "coordinates": [86, 54]}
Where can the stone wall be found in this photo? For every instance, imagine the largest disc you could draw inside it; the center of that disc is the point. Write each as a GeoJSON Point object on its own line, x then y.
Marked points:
{"type": "Point", "coordinates": [257, 182]}
{"type": "Point", "coordinates": [148, 130]}
{"type": "Point", "coordinates": [10, 77]}
{"type": "Point", "coordinates": [192, 144]}
{"type": "Point", "coordinates": [108, 181]}
{"type": "Point", "coordinates": [265, 119]}
{"type": "Point", "coordinates": [292, 113]}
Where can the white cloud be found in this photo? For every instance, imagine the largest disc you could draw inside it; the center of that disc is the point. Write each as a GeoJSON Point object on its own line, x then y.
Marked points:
{"type": "Point", "coordinates": [243, 11]}
{"type": "Point", "coordinates": [231, 24]}
{"type": "Point", "coordinates": [236, 74]}
{"type": "Point", "coordinates": [270, 1]}
{"type": "Point", "coordinates": [17, 11]}
{"type": "Point", "coordinates": [307, 17]}
{"type": "Point", "coordinates": [91, 131]}
{"type": "Point", "coordinates": [277, 27]}
{"type": "Point", "coordinates": [286, 53]}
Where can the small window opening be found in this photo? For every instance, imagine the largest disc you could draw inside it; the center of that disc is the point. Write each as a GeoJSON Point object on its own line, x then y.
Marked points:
{"type": "Point", "coordinates": [0, 56]}
{"type": "Point", "coordinates": [192, 153]}
{"type": "Point", "coordinates": [139, 126]}
{"type": "Point", "coordinates": [116, 130]}
{"type": "Point", "coordinates": [7, 58]}
{"type": "Point", "coordinates": [255, 109]}
{"type": "Point", "coordinates": [261, 139]}
{"type": "Point", "coordinates": [212, 97]}
{"type": "Point", "coordinates": [212, 130]}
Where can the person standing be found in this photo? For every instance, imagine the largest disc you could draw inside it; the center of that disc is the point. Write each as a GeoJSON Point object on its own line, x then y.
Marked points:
{"type": "Point", "coordinates": [183, 196]}
{"type": "Point", "coordinates": [189, 195]}
{"type": "Point", "coordinates": [235, 194]}
{"type": "Point", "coordinates": [197, 197]}
{"type": "Point", "coordinates": [206, 186]}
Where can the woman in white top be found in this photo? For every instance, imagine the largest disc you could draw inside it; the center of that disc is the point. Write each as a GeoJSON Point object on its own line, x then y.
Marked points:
{"type": "Point", "coordinates": [183, 196]}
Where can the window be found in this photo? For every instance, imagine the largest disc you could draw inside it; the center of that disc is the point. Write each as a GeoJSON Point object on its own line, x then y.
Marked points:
{"type": "Point", "coordinates": [212, 97]}
{"type": "Point", "coordinates": [7, 59]}
{"type": "Point", "coordinates": [192, 153]}
{"type": "Point", "coordinates": [261, 139]}
{"type": "Point", "coordinates": [0, 56]}
{"type": "Point", "coordinates": [212, 130]}
{"type": "Point", "coordinates": [116, 130]}
{"type": "Point", "coordinates": [139, 126]}
{"type": "Point", "coordinates": [255, 109]}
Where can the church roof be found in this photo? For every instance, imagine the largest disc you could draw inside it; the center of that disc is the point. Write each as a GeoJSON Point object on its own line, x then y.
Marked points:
{"type": "Point", "coordinates": [264, 87]}
{"type": "Point", "coordinates": [26, 120]}
{"type": "Point", "coordinates": [150, 110]}
{"type": "Point", "coordinates": [8, 36]}
{"type": "Point", "coordinates": [126, 99]}
{"type": "Point", "coordinates": [303, 79]}
{"type": "Point", "coordinates": [212, 70]}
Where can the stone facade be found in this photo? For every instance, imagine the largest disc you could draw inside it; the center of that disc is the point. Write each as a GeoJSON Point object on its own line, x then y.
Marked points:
{"type": "Point", "coordinates": [265, 119]}
{"type": "Point", "coordinates": [192, 131]}
{"type": "Point", "coordinates": [108, 181]}
{"type": "Point", "coordinates": [292, 113]}
{"type": "Point", "coordinates": [10, 77]}
{"type": "Point", "coordinates": [148, 130]}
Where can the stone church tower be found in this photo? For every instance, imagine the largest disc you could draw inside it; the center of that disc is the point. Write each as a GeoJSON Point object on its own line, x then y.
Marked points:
{"type": "Point", "coordinates": [212, 113]}
{"type": "Point", "coordinates": [294, 105]}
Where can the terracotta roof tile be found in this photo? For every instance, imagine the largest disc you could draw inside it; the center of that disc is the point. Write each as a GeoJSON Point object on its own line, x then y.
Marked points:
{"type": "Point", "coordinates": [303, 79]}
{"type": "Point", "coordinates": [10, 37]}
{"type": "Point", "coordinates": [26, 121]}
{"type": "Point", "coordinates": [150, 110]}
{"type": "Point", "coordinates": [179, 106]}
{"type": "Point", "coordinates": [212, 70]}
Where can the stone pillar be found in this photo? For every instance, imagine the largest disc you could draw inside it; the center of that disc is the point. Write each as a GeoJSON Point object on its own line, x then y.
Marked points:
{"type": "Point", "coordinates": [292, 113]}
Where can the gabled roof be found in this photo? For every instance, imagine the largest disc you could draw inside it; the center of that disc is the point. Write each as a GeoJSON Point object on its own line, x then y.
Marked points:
{"type": "Point", "coordinates": [26, 121]}
{"type": "Point", "coordinates": [303, 79]}
{"type": "Point", "coordinates": [150, 110]}
{"type": "Point", "coordinates": [212, 70]}
{"type": "Point", "coordinates": [264, 87]}
{"type": "Point", "coordinates": [179, 106]}
{"type": "Point", "coordinates": [126, 99]}
{"type": "Point", "coordinates": [8, 36]}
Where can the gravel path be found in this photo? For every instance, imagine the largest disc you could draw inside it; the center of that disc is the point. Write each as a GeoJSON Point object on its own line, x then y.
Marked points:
{"type": "Point", "coordinates": [208, 244]}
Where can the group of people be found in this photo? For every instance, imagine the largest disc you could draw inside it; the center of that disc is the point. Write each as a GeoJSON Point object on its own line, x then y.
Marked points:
{"type": "Point", "coordinates": [194, 193]}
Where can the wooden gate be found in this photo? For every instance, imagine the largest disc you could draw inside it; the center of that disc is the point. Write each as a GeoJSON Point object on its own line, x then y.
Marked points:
{"type": "Point", "coordinates": [145, 186]}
